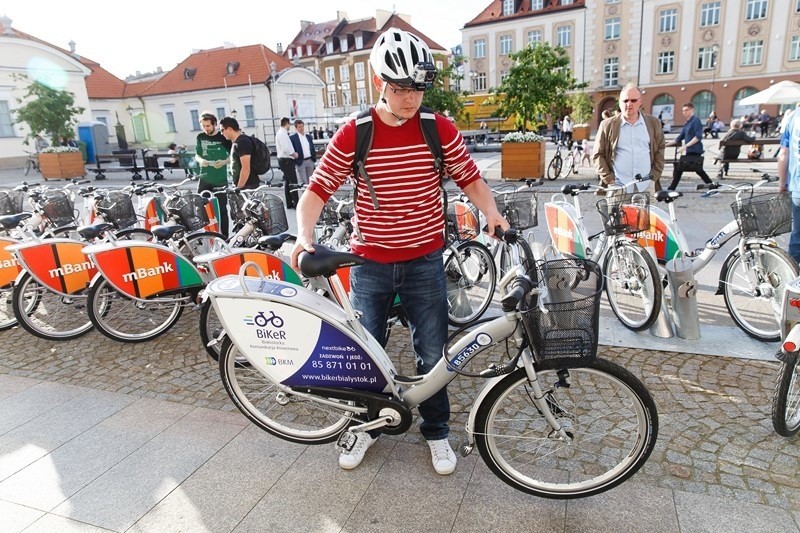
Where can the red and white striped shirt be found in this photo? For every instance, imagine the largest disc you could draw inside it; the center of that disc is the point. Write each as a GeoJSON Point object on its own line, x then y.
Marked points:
{"type": "Point", "coordinates": [409, 222]}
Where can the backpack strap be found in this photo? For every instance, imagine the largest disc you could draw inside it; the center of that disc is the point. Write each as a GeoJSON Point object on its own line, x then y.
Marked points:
{"type": "Point", "coordinates": [427, 122]}
{"type": "Point", "coordinates": [364, 134]}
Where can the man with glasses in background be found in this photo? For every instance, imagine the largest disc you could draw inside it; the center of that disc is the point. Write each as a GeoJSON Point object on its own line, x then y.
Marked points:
{"type": "Point", "coordinates": [630, 143]}
{"type": "Point", "coordinates": [399, 220]}
{"type": "Point", "coordinates": [692, 158]}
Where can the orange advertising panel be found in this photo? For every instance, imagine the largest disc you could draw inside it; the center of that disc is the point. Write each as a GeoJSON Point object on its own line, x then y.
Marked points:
{"type": "Point", "coordinates": [271, 266]}
{"type": "Point", "coordinates": [9, 268]}
{"type": "Point", "coordinates": [59, 265]}
{"type": "Point", "coordinates": [562, 230]}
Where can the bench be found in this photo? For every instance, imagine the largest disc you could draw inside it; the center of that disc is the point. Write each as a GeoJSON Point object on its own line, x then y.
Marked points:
{"type": "Point", "coordinates": [764, 143]}
{"type": "Point", "coordinates": [100, 171]}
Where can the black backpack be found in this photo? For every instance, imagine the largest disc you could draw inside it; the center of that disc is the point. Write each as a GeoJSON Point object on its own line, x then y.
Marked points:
{"type": "Point", "coordinates": [259, 161]}
{"type": "Point", "coordinates": [364, 133]}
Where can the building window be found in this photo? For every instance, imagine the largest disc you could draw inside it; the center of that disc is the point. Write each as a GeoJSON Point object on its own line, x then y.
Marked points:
{"type": "Point", "coordinates": [479, 82]}
{"type": "Point", "coordinates": [611, 72]}
{"type": "Point", "coordinates": [344, 73]}
{"type": "Point", "coordinates": [343, 44]}
{"type": "Point", "coordinates": [612, 1]}
{"type": "Point", "coordinates": [503, 75]}
{"type": "Point", "coordinates": [331, 98]}
{"type": "Point", "coordinates": [756, 9]}
{"type": "Point", "coordinates": [6, 128]}
{"type": "Point", "coordinates": [308, 50]}
{"type": "Point", "coordinates": [668, 20]}
{"type": "Point", "coordinates": [534, 36]}
{"type": "Point", "coordinates": [346, 101]}
{"type": "Point", "coordinates": [797, 7]}
{"type": "Point", "coordinates": [705, 58]}
{"type": "Point", "coordinates": [794, 48]}
{"type": "Point", "coordinates": [666, 62]}
{"type": "Point", "coordinates": [170, 116]}
{"type": "Point", "coordinates": [537, 4]}
{"type": "Point", "coordinates": [479, 48]}
{"type": "Point", "coordinates": [194, 120]}
{"type": "Point", "coordinates": [752, 52]}
{"type": "Point", "coordinates": [506, 46]}
{"type": "Point", "coordinates": [330, 77]}
{"type": "Point", "coordinates": [564, 36]}
{"type": "Point", "coordinates": [359, 69]}
{"type": "Point", "coordinates": [612, 28]}
{"type": "Point", "coordinates": [567, 2]}
{"type": "Point", "coordinates": [299, 51]}
{"type": "Point", "coordinates": [329, 47]}
{"type": "Point", "coordinates": [359, 42]}
{"type": "Point", "coordinates": [289, 53]}
{"type": "Point", "coordinates": [361, 96]}
{"type": "Point", "coordinates": [709, 14]}
{"type": "Point", "coordinates": [220, 112]}
{"type": "Point", "coordinates": [249, 116]}
{"type": "Point", "coordinates": [508, 7]}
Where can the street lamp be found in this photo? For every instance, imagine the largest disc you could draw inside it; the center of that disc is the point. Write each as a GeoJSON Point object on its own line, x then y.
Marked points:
{"type": "Point", "coordinates": [271, 87]}
{"type": "Point", "coordinates": [714, 53]}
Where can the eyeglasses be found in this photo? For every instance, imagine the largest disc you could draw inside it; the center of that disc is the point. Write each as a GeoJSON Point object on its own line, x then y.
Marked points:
{"type": "Point", "coordinates": [631, 100]}
{"type": "Point", "coordinates": [403, 92]}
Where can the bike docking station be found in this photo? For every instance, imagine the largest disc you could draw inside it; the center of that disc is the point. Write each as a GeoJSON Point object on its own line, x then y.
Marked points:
{"type": "Point", "coordinates": [683, 290]}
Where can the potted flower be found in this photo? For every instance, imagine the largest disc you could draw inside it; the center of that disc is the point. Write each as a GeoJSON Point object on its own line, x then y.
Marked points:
{"type": "Point", "coordinates": [60, 162]}
{"type": "Point", "coordinates": [523, 155]}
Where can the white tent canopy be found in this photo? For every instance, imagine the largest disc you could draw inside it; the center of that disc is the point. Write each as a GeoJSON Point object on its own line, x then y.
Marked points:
{"type": "Point", "coordinates": [783, 92]}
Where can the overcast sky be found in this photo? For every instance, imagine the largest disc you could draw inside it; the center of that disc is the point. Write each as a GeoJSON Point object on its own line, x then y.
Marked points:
{"type": "Point", "coordinates": [126, 36]}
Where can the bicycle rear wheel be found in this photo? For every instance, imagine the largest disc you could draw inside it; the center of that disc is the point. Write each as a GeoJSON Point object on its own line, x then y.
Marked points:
{"type": "Point", "coordinates": [554, 168]}
{"type": "Point", "coordinates": [28, 166]}
{"type": "Point", "coordinates": [569, 164]}
{"type": "Point", "coordinates": [471, 279]}
{"type": "Point", "coordinates": [633, 286]}
{"type": "Point", "coordinates": [49, 315]}
{"type": "Point", "coordinates": [124, 319]}
{"type": "Point", "coordinates": [608, 413]}
{"type": "Point", "coordinates": [200, 243]}
{"type": "Point", "coordinates": [786, 400]}
{"type": "Point", "coordinates": [7, 318]}
{"type": "Point", "coordinates": [287, 416]}
{"type": "Point", "coordinates": [754, 287]}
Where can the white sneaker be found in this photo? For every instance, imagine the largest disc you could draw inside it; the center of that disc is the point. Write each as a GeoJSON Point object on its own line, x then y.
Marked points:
{"type": "Point", "coordinates": [351, 459]}
{"type": "Point", "coordinates": [444, 460]}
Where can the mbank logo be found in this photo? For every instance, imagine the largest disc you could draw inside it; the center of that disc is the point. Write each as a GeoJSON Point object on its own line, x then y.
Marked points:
{"type": "Point", "coordinates": [141, 273]}
{"type": "Point", "coordinates": [70, 269]}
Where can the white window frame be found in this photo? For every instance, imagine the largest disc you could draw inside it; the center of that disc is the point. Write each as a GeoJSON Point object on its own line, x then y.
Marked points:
{"type": "Point", "coordinates": [330, 75]}
{"type": "Point", "coordinates": [359, 42]}
{"type": "Point", "coordinates": [613, 29]}
{"type": "Point", "coordinates": [537, 5]}
{"type": "Point", "coordinates": [479, 48]}
{"type": "Point", "coordinates": [666, 62]}
{"type": "Point", "coordinates": [710, 13]}
{"type": "Point", "coordinates": [506, 45]}
{"type": "Point", "coordinates": [752, 53]}
{"type": "Point", "coordinates": [611, 72]}
{"type": "Point", "coordinates": [6, 122]}
{"type": "Point", "coordinates": [332, 98]}
{"type": "Point", "coordinates": [534, 36]}
{"type": "Point", "coordinates": [794, 48]}
{"type": "Point", "coordinates": [705, 58]}
{"type": "Point", "coordinates": [344, 73]}
{"type": "Point", "coordinates": [169, 118]}
{"type": "Point", "coordinates": [756, 9]}
{"type": "Point", "coordinates": [508, 7]}
{"type": "Point", "coordinates": [361, 96]}
{"type": "Point", "coordinates": [358, 68]}
{"type": "Point", "coordinates": [668, 20]}
{"type": "Point", "coordinates": [564, 36]}
{"type": "Point", "coordinates": [343, 44]}
{"type": "Point", "coordinates": [479, 82]}
{"type": "Point", "coordinates": [329, 47]}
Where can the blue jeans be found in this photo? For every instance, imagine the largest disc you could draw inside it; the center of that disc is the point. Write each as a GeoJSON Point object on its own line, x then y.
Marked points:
{"type": "Point", "coordinates": [420, 283]}
{"type": "Point", "coordinates": [794, 238]}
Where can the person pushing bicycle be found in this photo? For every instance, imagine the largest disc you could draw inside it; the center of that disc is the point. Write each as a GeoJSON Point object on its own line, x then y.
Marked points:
{"type": "Point", "coordinates": [399, 220]}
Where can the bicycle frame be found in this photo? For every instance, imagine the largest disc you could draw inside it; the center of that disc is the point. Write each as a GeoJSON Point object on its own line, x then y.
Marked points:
{"type": "Point", "coordinates": [568, 232]}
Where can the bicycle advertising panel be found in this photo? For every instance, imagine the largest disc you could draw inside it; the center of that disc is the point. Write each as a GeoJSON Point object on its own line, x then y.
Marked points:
{"type": "Point", "coordinates": [154, 214]}
{"type": "Point", "coordinates": [142, 269]}
{"type": "Point", "coordinates": [58, 264]}
{"type": "Point", "coordinates": [271, 266]}
{"type": "Point", "coordinates": [565, 231]}
{"type": "Point", "coordinates": [212, 211]}
{"type": "Point", "coordinates": [296, 337]}
{"type": "Point", "coordinates": [662, 235]}
{"type": "Point", "coordinates": [9, 267]}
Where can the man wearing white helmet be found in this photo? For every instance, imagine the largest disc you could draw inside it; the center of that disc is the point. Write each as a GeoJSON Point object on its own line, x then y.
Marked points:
{"type": "Point", "coordinates": [399, 220]}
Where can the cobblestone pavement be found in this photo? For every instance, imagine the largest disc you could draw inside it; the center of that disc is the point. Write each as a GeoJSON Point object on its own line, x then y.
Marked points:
{"type": "Point", "coordinates": [715, 435]}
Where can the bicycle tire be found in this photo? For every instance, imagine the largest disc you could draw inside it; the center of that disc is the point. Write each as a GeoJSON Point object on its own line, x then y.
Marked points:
{"type": "Point", "coordinates": [28, 167]}
{"type": "Point", "coordinates": [569, 164]}
{"type": "Point", "coordinates": [289, 417]}
{"type": "Point", "coordinates": [124, 319]}
{"type": "Point", "coordinates": [7, 318]}
{"type": "Point", "coordinates": [757, 310]}
{"type": "Point", "coordinates": [528, 261]}
{"type": "Point", "coordinates": [470, 284]}
{"type": "Point", "coordinates": [607, 447]}
{"type": "Point", "coordinates": [786, 399]}
{"type": "Point", "coordinates": [199, 243]}
{"type": "Point", "coordinates": [134, 234]}
{"type": "Point", "coordinates": [49, 315]}
{"type": "Point", "coordinates": [634, 291]}
{"type": "Point", "coordinates": [554, 168]}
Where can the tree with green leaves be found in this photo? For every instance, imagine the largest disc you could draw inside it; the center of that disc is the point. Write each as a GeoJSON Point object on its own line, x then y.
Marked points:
{"type": "Point", "coordinates": [440, 97]}
{"type": "Point", "coordinates": [536, 83]}
{"type": "Point", "coordinates": [582, 107]}
{"type": "Point", "coordinates": [49, 111]}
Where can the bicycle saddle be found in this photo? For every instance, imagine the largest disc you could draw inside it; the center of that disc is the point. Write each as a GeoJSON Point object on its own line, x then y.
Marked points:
{"type": "Point", "coordinates": [12, 221]}
{"type": "Point", "coordinates": [95, 230]}
{"type": "Point", "coordinates": [163, 233]}
{"type": "Point", "coordinates": [324, 261]}
{"type": "Point", "coordinates": [667, 196]}
{"type": "Point", "coordinates": [274, 242]}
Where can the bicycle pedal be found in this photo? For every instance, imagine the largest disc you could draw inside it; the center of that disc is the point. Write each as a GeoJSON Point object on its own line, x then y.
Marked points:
{"type": "Point", "coordinates": [347, 440]}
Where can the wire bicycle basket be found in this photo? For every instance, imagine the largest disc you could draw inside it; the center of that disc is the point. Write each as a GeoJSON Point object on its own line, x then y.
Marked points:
{"type": "Point", "coordinates": [568, 331]}
{"type": "Point", "coordinates": [190, 208]}
{"type": "Point", "coordinates": [764, 215]}
{"type": "Point", "coordinates": [518, 208]}
{"type": "Point", "coordinates": [628, 214]}
{"type": "Point", "coordinates": [58, 208]}
{"type": "Point", "coordinates": [269, 211]}
{"type": "Point", "coordinates": [117, 209]}
{"type": "Point", "coordinates": [332, 213]}
{"type": "Point", "coordinates": [11, 201]}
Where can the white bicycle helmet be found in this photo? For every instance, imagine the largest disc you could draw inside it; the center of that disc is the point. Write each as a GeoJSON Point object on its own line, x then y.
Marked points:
{"type": "Point", "coordinates": [404, 59]}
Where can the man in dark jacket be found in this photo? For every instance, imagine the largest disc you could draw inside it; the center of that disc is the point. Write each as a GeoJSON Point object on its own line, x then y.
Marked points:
{"type": "Point", "coordinates": [692, 133]}
{"type": "Point", "coordinates": [732, 151]}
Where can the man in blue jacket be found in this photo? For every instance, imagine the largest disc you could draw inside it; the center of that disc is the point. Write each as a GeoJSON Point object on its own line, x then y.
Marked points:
{"type": "Point", "coordinates": [692, 133]}
{"type": "Point", "coordinates": [304, 148]}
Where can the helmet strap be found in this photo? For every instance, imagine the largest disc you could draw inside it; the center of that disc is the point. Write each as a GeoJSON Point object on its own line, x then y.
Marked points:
{"type": "Point", "coordinates": [400, 120]}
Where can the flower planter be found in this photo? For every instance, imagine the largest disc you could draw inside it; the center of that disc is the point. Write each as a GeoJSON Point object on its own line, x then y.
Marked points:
{"type": "Point", "coordinates": [522, 160]}
{"type": "Point", "coordinates": [61, 165]}
{"type": "Point", "coordinates": [579, 133]}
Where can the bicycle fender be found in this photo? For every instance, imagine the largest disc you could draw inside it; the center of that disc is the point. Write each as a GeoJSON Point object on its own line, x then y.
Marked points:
{"type": "Point", "coordinates": [476, 405]}
{"type": "Point", "coordinates": [723, 272]}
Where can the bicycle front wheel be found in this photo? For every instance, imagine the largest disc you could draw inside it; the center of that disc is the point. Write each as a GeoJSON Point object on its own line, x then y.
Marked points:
{"type": "Point", "coordinates": [607, 412]}
{"type": "Point", "coordinates": [471, 279]}
{"type": "Point", "coordinates": [48, 315]}
{"type": "Point", "coordinates": [754, 286]}
{"type": "Point", "coordinates": [554, 168]}
{"type": "Point", "coordinates": [633, 286]}
{"type": "Point", "coordinates": [28, 166]}
{"type": "Point", "coordinates": [285, 415]}
{"type": "Point", "coordinates": [786, 400]}
{"type": "Point", "coordinates": [569, 164]}
{"type": "Point", "coordinates": [200, 243]}
{"type": "Point", "coordinates": [7, 318]}
{"type": "Point", "coordinates": [124, 319]}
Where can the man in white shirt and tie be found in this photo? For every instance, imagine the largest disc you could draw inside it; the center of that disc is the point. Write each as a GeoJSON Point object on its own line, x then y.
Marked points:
{"type": "Point", "coordinates": [306, 154]}
{"type": "Point", "coordinates": [286, 155]}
